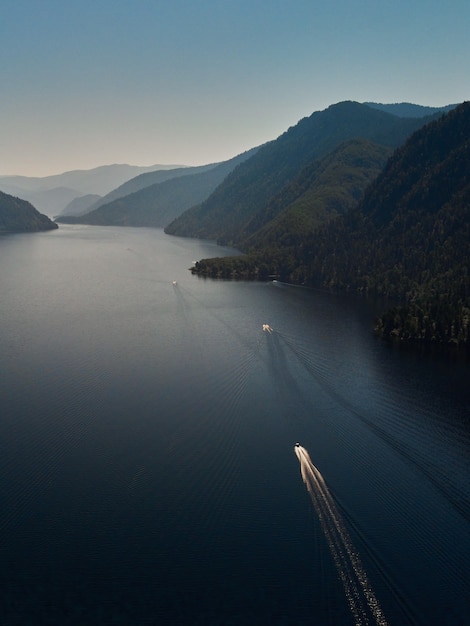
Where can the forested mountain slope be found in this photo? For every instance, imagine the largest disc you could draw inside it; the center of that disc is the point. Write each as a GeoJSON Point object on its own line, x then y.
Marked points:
{"type": "Point", "coordinates": [227, 213]}
{"type": "Point", "coordinates": [409, 239]}
{"type": "Point", "coordinates": [328, 187]}
{"type": "Point", "coordinates": [18, 215]}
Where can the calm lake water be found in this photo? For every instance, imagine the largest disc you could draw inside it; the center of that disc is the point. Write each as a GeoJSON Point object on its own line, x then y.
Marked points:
{"type": "Point", "coordinates": [148, 467]}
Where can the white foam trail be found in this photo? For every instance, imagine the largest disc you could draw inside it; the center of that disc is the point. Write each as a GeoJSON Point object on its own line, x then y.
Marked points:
{"type": "Point", "coordinates": [361, 599]}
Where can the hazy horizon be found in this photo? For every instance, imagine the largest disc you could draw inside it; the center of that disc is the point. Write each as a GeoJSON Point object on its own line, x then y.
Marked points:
{"type": "Point", "coordinates": [103, 166]}
{"type": "Point", "coordinates": [90, 84]}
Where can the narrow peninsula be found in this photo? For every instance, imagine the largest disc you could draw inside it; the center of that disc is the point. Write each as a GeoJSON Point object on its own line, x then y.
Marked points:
{"type": "Point", "coordinates": [18, 216]}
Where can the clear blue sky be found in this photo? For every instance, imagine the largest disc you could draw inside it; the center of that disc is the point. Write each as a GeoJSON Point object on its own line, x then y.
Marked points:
{"type": "Point", "coordinates": [93, 82]}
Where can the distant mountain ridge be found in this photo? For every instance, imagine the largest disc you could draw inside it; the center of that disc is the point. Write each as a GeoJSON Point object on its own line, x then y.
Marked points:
{"type": "Point", "coordinates": [146, 179]}
{"type": "Point", "coordinates": [157, 204]}
{"type": "Point", "coordinates": [18, 215]}
{"type": "Point", "coordinates": [95, 180]}
{"type": "Point", "coordinates": [51, 194]}
{"type": "Point", "coordinates": [406, 109]}
{"type": "Point", "coordinates": [81, 205]}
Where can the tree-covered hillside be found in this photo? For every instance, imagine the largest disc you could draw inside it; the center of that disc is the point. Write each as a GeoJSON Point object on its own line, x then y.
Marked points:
{"type": "Point", "coordinates": [226, 214]}
{"type": "Point", "coordinates": [409, 239]}
{"type": "Point", "coordinates": [20, 216]}
{"type": "Point", "coordinates": [328, 187]}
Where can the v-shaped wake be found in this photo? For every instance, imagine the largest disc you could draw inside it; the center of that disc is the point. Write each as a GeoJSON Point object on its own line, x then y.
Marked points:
{"type": "Point", "coordinates": [361, 599]}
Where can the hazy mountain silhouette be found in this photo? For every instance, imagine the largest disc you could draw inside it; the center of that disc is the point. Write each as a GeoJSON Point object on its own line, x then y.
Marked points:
{"type": "Point", "coordinates": [158, 204]}
{"type": "Point", "coordinates": [146, 180]}
{"type": "Point", "coordinates": [80, 205]}
{"type": "Point", "coordinates": [51, 194]}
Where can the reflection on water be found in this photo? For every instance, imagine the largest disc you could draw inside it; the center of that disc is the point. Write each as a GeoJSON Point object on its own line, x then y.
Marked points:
{"type": "Point", "coordinates": [146, 431]}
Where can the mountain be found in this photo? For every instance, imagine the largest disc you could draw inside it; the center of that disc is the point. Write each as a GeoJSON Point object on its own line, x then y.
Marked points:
{"type": "Point", "coordinates": [97, 180]}
{"type": "Point", "coordinates": [158, 204]}
{"type": "Point", "coordinates": [80, 205]}
{"type": "Point", "coordinates": [406, 109]}
{"type": "Point", "coordinates": [407, 240]}
{"type": "Point", "coordinates": [48, 201]}
{"type": "Point", "coordinates": [18, 215]}
{"type": "Point", "coordinates": [413, 224]}
{"type": "Point", "coordinates": [410, 237]}
{"type": "Point", "coordinates": [328, 187]}
{"type": "Point", "coordinates": [226, 214]}
{"type": "Point", "coordinates": [52, 193]}
{"type": "Point", "coordinates": [146, 180]}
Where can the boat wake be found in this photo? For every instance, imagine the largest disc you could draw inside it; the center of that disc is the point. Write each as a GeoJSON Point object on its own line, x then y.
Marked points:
{"type": "Point", "coordinates": [362, 602]}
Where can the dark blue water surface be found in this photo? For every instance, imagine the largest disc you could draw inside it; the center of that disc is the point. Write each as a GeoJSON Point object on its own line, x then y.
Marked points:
{"type": "Point", "coordinates": [147, 432]}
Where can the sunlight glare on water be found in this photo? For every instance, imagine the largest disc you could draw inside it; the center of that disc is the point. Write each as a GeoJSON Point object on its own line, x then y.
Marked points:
{"type": "Point", "coordinates": [361, 599]}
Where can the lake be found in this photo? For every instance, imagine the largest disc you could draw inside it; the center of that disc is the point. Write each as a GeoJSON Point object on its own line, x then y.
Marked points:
{"type": "Point", "coordinates": [148, 462]}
